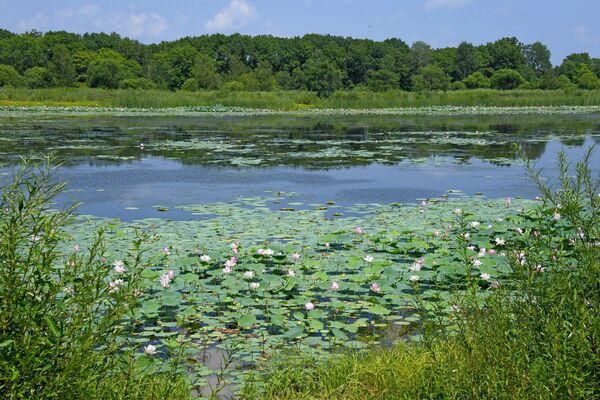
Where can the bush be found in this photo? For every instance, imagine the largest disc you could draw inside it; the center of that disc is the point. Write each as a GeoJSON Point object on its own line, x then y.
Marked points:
{"type": "Point", "coordinates": [431, 77]}
{"type": "Point", "coordinates": [506, 79]}
{"type": "Point", "coordinates": [61, 309]}
{"type": "Point", "coordinates": [476, 81]}
{"type": "Point", "coordinates": [9, 76]}
{"type": "Point", "coordinates": [38, 77]}
{"type": "Point", "coordinates": [137, 83]}
{"type": "Point", "coordinates": [458, 86]}
{"type": "Point", "coordinates": [588, 81]}
{"type": "Point", "coordinates": [233, 86]}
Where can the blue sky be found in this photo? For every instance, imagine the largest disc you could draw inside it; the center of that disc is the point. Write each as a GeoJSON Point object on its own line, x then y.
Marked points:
{"type": "Point", "coordinates": [566, 26]}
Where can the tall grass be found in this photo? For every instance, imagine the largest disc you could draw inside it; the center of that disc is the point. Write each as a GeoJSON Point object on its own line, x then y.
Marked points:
{"type": "Point", "coordinates": [537, 336]}
{"type": "Point", "coordinates": [292, 100]}
{"type": "Point", "coordinates": [62, 310]}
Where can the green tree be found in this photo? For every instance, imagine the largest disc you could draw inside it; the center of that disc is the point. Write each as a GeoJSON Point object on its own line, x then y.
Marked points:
{"type": "Point", "coordinates": [476, 80]}
{"type": "Point", "coordinates": [431, 77]}
{"type": "Point", "coordinates": [586, 79]}
{"type": "Point", "coordinates": [104, 73]}
{"type": "Point", "coordinates": [321, 76]}
{"type": "Point", "coordinates": [61, 66]}
{"type": "Point", "coordinates": [537, 56]}
{"type": "Point", "coordinates": [506, 79]}
{"type": "Point", "coordinates": [264, 76]}
{"type": "Point", "coordinates": [38, 77]}
{"type": "Point", "coordinates": [172, 67]}
{"type": "Point", "coordinates": [205, 73]}
{"type": "Point", "coordinates": [466, 61]}
{"type": "Point", "coordinates": [506, 53]}
{"type": "Point", "coordinates": [9, 76]}
{"type": "Point", "coordinates": [382, 80]}
{"type": "Point", "coordinates": [421, 55]}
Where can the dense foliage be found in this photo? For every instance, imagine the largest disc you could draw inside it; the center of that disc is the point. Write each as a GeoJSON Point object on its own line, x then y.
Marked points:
{"type": "Point", "coordinates": [319, 63]}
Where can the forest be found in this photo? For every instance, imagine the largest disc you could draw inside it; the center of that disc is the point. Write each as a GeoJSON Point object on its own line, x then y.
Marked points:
{"type": "Point", "coordinates": [318, 63]}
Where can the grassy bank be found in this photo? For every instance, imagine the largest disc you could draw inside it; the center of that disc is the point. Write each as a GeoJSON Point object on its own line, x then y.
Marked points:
{"type": "Point", "coordinates": [292, 100]}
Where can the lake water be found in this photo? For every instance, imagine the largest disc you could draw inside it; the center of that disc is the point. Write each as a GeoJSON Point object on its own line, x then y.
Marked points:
{"type": "Point", "coordinates": [346, 159]}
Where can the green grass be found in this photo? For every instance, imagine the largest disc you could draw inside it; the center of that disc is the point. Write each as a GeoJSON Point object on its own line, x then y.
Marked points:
{"type": "Point", "coordinates": [292, 100]}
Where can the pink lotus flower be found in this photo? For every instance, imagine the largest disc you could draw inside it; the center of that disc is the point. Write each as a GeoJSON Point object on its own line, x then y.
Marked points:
{"type": "Point", "coordinates": [414, 278]}
{"type": "Point", "coordinates": [119, 266]}
{"type": "Point", "coordinates": [492, 252]}
{"type": "Point", "coordinates": [309, 306]}
{"type": "Point", "coordinates": [368, 259]}
{"type": "Point", "coordinates": [227, 269]}
{"type": "Point", "coordinates": [165, 280]}
{"type": "Point", "coordinates": [358, 230]}
{"type": "Point", "coordinates": [327, 245]}
{"type": "Point", "coordinates": [166, 251]}
{"type": "Point", "coordinates": [295, 256]}
{"type": "Point", "coordinates": [375, 287]}
{"type": "Point", "coordinates": [150, 349]}
{"type": "Point", "coordinates": [334, 286]}
{"type": "Point", "coordinates": [204, 258]}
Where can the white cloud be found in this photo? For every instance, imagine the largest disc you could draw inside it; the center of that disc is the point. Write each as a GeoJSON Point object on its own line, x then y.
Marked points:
{"type": "Point", "coordinates": [39, 22]}
{"type": "Point", "coordinates": [435, 4]}
{"type": "Point", "coordinates": [237, 14]}
{"type": "Point", "coordinates": [65, 14]}
{"type": "Point", "coordinates": [134, 25]}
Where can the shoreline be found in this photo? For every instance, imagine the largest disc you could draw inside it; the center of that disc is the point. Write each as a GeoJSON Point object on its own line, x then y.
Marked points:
{"type": "Point", "coordinates": [219, 110]}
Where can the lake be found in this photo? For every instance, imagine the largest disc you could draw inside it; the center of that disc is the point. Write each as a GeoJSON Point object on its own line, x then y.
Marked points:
{"type": "Point", "coordinates": [132, 167]}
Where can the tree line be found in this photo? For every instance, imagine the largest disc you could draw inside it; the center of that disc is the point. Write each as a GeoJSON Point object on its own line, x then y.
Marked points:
{"type": "Point", "coordinates": [318, 63]}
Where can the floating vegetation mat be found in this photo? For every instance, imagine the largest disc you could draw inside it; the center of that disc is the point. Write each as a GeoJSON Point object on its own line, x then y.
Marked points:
{"type": "Point", "coordinates": [259, 279]}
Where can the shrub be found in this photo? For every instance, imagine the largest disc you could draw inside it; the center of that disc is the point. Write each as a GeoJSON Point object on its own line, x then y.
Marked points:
{"type": "Point", "coordinates": [506, 79]}
{"type": "Point", "coordinates": [38, 77]}
{"type": "Point", "coordinates": [431, 77]}
{"type": "Point", "coordinates": [9, 76]}
{"type": "Point", "coordinates": [62, 310]}
{"type": "Point", "coordinates": [477, 81]}
{"type": "Point", "coordinates": [137, 83]}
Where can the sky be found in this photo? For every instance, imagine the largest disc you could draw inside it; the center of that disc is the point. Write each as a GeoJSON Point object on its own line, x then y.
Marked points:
{"type": "Point", "coordinates": [565, 26]}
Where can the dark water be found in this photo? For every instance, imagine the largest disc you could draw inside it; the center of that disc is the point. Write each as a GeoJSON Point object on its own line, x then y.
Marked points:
{"type": "Point", "coordinates": [346, 159]}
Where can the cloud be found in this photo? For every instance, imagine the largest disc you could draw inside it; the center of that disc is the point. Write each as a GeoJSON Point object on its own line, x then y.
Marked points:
{"type": "Point", "coordinates": [584, 35]}
{"type": "Point", "coordinates": [58, 18]}
{"type": "Point", "coordinates": [236, 15]}
{"type": "Point", "coordinates": [435, 4]}
{"type": "Point", "coordinates": [149, 24]}
{"type": "Point", "coordinates": [39, 21]}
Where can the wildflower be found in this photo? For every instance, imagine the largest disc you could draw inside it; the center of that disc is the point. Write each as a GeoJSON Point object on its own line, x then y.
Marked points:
{"type": "Point", "coordinates": [71, 263]}
{"type": "Point", "coordinates": [539, 268]}
{"type": "Point", "coordinates": [291, 272]}
{"type": "Point", "coordinates": [495, 285]}
{"type": "Point", "coordinates": [334, 286]}
{"type": "Point", "coordinates": [368, 259]}
{"type": "Point", "coordinates": [500, 241]}
{"type": "Point", "coordinates": [260, 252]}
{"type": "Point", "coordinates": [327, 245]}
{"type": "Point", "coordinates": [205, 258]}
{"type": "Point", "coordinates": [295, 256]}
{"type": "Point", "coordinates": [472, 248]}
{"type": "Point", "coordinates": [171, 273]}
{"type": "Point", "coordinates": [115, 285]}
{"type": "Point", "coordinates": [34, 238]}
{"type": "Point", "coordinates": [249, 274]}
{"type": "Point", "coordinates": [269, 252]}
{"type": "Point", "coordinates": [165, 280]}
{"type": "Point", "coordinates": [227, 269]}
{"type": "Point", "coordinates": [375, 287]}
{"type": "Point", "coordinates": [166, 251]}
{"type": "Point", "coordinates": [556, 216]}
{"type": "Point", "coordinates": [68, 290]}
{"type": "Point", "coordinates": [521, 257]}
{"type": "Point", "coordinates": [458, 211]}
{"type": "Point", "coordinates": [150, 350]}
{"type": "Point", "coordinates": [119, 266]}
{"type": "Point", "coordinates": [492, 252]}
{"type": "Point", "coordinates": [475, 224]}
{"type": "Point", "coordinates": [436, 233]}
{"type": "Point", "coordinates": [137, 292]}
{"type": "Point", "coordinates": [466, 235]}
{"type": "Point", "coordinates": [76, 248]}
{"type": "Point", "coordinates": [254, 285]}
{"type": "Point", "coordinates": [309, 306]}
{"type": "Point", "coordinates": [417, 265]}
{"type": "Point", "coordinates": [358, 230]}
{"type": "Point", "coordinates": [414, 278]}
{"type": "Point", "coordinates": [455, 308]}
{"type": "Point", "coordinates": [476, 262]}
{"type": "Point", "coordinates": [482, 252]}
{"type": "Point", "coordinates": [519, 230]}
{"type": "Point", "coordinates": [580, 233]}
{"type": "Point", "coordinates": [485, 276]}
